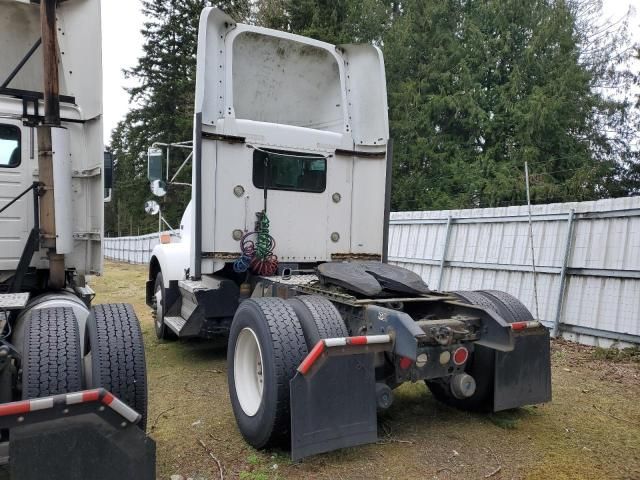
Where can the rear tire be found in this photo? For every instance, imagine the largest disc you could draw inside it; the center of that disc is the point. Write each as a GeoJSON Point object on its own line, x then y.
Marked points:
{"type": "Point", "coordinates": [319, 318]}
{"type": "Point", "coordinates": [481, 364]}
{"type": "Point", "coordinates": [117, 354]}
{"type": "Point", "coordinates": [270, 329]}
{"type": "Point", "coordinates": [52, 360]}
{"type": "Point", "coordinates": [517, 311]}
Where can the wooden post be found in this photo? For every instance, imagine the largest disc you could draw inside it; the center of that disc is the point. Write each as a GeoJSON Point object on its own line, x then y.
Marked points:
{"type": "Point", "coordinates": [50, 59]}
{"type": "Point", "coordinates": [45, 148]}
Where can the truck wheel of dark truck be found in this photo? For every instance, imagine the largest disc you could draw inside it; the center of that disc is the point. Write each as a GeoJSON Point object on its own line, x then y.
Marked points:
{"type": "Point", "coordinates": [117, 355]}
{"type": "Point", "coordinates": [52, 360]}
{"type": "Point", "coordinates": [481, 362]}
{"type": "Point", "coordinates": [160, 295]}
{"type": "Point", "coordinates": [266, 345]}
{"type": "Point", "coordinates": [319, 318]}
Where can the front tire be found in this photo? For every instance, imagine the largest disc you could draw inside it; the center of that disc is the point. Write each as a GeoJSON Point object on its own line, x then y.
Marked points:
{"type": "Point", "coordinates": [160, 301]}
{"type": "Point", "coordinates": [266, 345]}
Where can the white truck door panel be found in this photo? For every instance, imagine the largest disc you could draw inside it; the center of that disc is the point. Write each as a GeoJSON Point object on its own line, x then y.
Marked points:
{"type": "Point", "coordinates": [17, 220]}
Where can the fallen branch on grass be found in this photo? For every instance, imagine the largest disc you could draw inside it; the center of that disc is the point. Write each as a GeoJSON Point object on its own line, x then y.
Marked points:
{"type": "Point", "coordinates": [393, 440]}
{"type": "Point", "coordinates": [498, 468]}
{"type": "Point", "coordinates": [613, 416]}
{"type": "Point", "coordinates": [214, 458]}
{"type": "Point", "coordinates": [155, 422]}
{"type": "Point", "coordinates": [489, 475]}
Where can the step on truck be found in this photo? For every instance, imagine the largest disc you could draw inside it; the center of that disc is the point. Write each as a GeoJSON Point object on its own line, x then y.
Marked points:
{"type": "Point", "coordinates": [73, 391]}
{"type": "Point", "coordinates": [283, 248]}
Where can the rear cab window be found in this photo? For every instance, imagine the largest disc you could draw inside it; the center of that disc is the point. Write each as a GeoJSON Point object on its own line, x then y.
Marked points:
{"type": "Point", "coordinates": [297, 172]}
{"type": "Point", "coordinates": [9, 146]}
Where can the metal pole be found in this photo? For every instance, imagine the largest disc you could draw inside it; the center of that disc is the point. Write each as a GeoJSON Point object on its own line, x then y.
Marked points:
{"type": "Point", "coordinates": [533, 256]}
{"type": "Point", "coordinates": [444, 251]}
{"type": "Point", "coordinates": [563, 273]}
{"type": "Point", "coordinates": [387, 202]}
{"type": "Point", "coordinates": [197, 194]}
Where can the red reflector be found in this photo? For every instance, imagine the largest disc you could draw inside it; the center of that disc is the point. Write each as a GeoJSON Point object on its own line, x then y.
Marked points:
{"type": "Point", "coordinates": [519, 325]}
{"type": "Point", "coordinates": [460, 356]}
{"type": "Point", "coordinates": [107, 399]}
{"type": "Point", "coordinates": [405, 363]}
{"type": "Point", "coordinates": [311, 358]}
{"type": "Point", "coordinates": [90, 395]}
{"type": "Point", "coordinates": [362, 340]}
{"type": "Point", "coordinates": [15, 408]}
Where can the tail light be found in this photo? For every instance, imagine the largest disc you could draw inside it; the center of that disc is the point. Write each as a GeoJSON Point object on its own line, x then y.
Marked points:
{"type": "Point", "coordinates": [460, 355]}
{"type": "Point", "coordinates": [405, 363]}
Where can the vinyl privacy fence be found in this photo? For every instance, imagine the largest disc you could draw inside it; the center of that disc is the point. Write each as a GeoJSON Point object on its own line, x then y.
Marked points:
{"type": "Point", "coordinates": [135, 249]}
{"type": "Point", "coordinates": [587, 260]}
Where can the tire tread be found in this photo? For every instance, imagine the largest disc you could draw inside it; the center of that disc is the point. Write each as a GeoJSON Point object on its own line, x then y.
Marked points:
{"type": "Point", "coordinates": [52, 359]}
{"type": "Point", "coordinates": [118, 355]}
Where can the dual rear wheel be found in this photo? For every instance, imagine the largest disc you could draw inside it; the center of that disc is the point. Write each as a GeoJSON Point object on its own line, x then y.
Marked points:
{"type": "Point", "coordinates": [53, 361]}
{"type": "Point", "coordinates": [481, 363]}
{"type": "Point", "coordinates": [269, 338]}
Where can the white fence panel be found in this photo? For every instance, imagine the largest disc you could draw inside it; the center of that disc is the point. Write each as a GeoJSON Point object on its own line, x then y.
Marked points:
{"type": "Point", "coordinates": [131, 249]}
{"type": "Point", "coordinates": [587, 258]}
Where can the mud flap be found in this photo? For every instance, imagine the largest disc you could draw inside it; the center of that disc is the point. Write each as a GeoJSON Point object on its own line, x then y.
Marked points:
{"type": "Point", "coordinates": [523, 376]}
{"type": "Point", "coordinates": [334, 406]}
{"type": "Point", "coordinates": [81, 447]}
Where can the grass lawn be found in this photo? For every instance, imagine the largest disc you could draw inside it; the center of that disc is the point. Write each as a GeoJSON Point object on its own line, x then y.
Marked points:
{"type": "Point", "coordinates": [590, 430]}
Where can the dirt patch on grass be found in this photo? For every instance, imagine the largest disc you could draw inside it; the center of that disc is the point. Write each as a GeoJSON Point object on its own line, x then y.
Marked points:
{"type": "Point", "coordinates": [590, 430]}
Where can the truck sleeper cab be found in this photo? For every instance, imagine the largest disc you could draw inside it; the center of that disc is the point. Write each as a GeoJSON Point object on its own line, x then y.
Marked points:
{"type": "Point", "coordinates": [283, 249]}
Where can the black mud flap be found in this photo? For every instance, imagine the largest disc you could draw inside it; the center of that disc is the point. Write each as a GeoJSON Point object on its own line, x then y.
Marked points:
{"type": "Point", "coordinates": [334, 406]}
{"type": "Point", "coordinates": [79, 448]}
{"type": "Point", "coordinates": [523, 376]}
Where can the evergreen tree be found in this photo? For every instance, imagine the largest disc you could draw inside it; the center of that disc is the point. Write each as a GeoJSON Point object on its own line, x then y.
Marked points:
{"type": "Point", "coordinates": [162, 109]}
{"type": "Point", "coordinates": [477, 88]}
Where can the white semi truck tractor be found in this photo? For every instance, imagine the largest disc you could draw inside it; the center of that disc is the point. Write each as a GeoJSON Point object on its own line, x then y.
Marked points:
{"type": "Point", "coordinates": [283, 249]}
{"type": "Point", "coordinates": [73, 392]}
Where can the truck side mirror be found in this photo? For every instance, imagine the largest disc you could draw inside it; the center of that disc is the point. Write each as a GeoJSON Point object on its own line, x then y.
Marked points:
{"type": "Point", "coordinates": [154, 164]}
{"type": "Point", "coordinates": [108, 170]}
{"type": "Point", "coordinates": [151, 207]}
{"type": "Point", "coordinates": [158, 188]}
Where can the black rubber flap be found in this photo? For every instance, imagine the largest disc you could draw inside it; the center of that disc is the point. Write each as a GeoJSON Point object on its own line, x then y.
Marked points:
{"type": "Point", "coordinates": [370, 278]}
{"type": "Point", "coordinates": [523, 376]}
{"type": "Point", "coordinates": [334, 406]}
{"type": "Point", "coordinates": [79, 448]}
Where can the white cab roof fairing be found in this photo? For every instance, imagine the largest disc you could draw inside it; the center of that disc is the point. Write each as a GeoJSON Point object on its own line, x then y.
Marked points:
{"type": "Point", "coordinates": [80, 46]}
{"type": "Point", "coordinates": [349, 112]}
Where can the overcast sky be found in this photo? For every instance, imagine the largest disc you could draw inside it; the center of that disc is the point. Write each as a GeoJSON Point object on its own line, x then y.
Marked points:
{"type": "Point", "coordinates": [122, 46]}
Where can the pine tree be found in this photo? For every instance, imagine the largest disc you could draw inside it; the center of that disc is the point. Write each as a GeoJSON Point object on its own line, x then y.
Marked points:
{"type": "Point", "coordinates": [477, 88]}
{"type": "Point", "coordinates": [162, 108]}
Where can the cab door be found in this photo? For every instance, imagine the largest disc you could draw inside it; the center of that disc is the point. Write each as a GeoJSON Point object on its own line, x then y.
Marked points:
{"type": "Point", "coordinates": [15, 177]}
